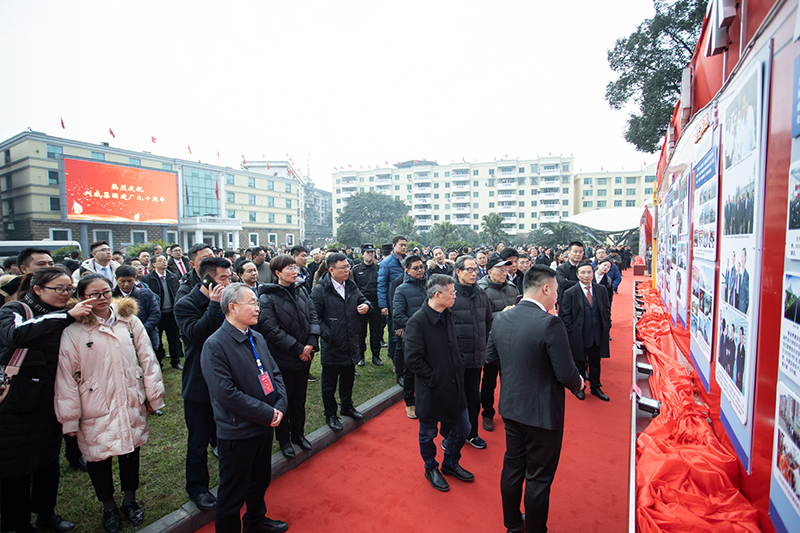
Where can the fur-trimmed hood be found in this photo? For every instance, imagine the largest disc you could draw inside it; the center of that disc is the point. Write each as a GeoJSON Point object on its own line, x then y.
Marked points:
{"type": "Point", "coordinates": [123, 308]}
{"type": "Point", "coordinates": [432, 263]}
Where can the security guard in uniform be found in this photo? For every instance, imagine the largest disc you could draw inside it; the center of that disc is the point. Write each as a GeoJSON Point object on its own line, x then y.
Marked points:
{"type": "Point", "coordinates": [365, 275]}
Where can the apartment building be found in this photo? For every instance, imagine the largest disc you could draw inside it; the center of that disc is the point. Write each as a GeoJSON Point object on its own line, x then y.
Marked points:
{"type": "Point", "coordinates": [609, 189]}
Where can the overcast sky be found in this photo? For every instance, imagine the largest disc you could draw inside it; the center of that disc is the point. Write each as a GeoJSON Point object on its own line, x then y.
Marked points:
{"type": "Point", "coordinates": [339, 82]}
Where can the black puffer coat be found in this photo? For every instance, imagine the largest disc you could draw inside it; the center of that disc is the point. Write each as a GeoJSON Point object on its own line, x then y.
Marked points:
{"type": "Point", "coordinates": [340, 326]}
{"type": "Point", "coordinates": [472, 314]}
{"type": "Point", "coordinates": [288, 320]}
{"type": "Point", "coordinates": [408, 298]}
{"type": "Point", "coordinates": [500, 295]}
{"type": "Point", "coordinates": [30, 434]}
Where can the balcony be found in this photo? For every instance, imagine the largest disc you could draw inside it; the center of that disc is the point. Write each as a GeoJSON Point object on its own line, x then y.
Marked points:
{"type": "Point", "coordinates": [507, 197]}
{"type": "Point", "coordinates": [461, 209]}
{"type": "Point", "coordinates": [544, 171]}
{"type": "Point", "coordinates": [461, 221]}
{"type": "Point", "coordinates": [383, 178]}
{"type": "Point", "coordinates": [549, 219]}
{"type": "Point", "coordinates": [422, 199]}
{"type": "Point", "coordinates": [507, 184]}
{"type": "Point", "coordinates": [511, 231]}
{"type": "Point", "coordinates": [348, 193]}
{"type": "Point", "coordinates": [423, 222]}
{"type": "Point", "coordinates": [422, 188]}
{"type": "Point", "coordinates": [510, 219]}
{"type": "Point", "coordinates": [507, 208]}
{"type": "Point", "coordinates": [420, 177]}
{"type": "Point", "coordinates": [507, 173]}
{"type": "Point", "coordinates": [549, 182]}
{"type": "Point", "coordinates": [420, 211]}
{"type": "Point", "coordinates": [460, 186]}
{"type": "Point", "coordinates": [549, 196]}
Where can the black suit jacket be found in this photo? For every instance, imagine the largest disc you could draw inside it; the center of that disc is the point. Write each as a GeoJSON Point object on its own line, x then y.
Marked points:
{"type": "Point", "coordinates": [155, 284]}
{"type": "Point", "coordinates": [567, 277]}
{"type": "Point", "coordinates": [572, 312]}
{"type": "Point", "coordinates": [172, 267]}
{"type": "Point", "coordinates": [533, 350]}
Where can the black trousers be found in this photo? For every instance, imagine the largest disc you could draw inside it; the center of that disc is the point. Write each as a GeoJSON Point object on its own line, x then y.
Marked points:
{"type": "Point", "coordinates": [71, 450]}
{"type": "Point", "coordinates": [409, 387]}
{"type": "Point", "coordinates": [488, 385]}
{"type": "Point", "coordinates": [19, 496]}
{"type": "Point", "coordinates": [292, 426]}
{"type": "Point", "coordinates": [345, 376]}
{"type": "Point", "coordinates": [103, 483]}
{"type": "Point", "coordinates": [592, 354]}
{"type": "Point", "coordinates": [201, 429]}
{"type": "Point", "coordinates": [376, 323]}
{"type": "Point", "coordinates": [472, 385]}
{"type": "Point", "coordinates": [245, 470]}
{"type": "Point", "coordinates": [168, 324]}
{"type": "Point", "coordinates": [532, 455]}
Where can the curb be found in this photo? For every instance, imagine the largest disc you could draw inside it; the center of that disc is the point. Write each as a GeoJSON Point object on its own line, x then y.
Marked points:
{"type": "Point", "coordinates": [188, 518]}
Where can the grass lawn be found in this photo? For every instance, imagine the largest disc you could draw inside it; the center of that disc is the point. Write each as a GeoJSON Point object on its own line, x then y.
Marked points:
{"type": "Point", "coordinates": [162, 469]}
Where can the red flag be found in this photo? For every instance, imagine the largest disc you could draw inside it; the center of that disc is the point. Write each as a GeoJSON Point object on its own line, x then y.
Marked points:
{"type": "Point", "coordinates": [244, 161]}
{"type": "Point", "coordinates": [63, 127]}
{"type": "Point", "coordinates": [112, 133]}
{"type": "Point", "coordinates": [424, 159]}
{"type": "Point", "coordinates": [264, 156]}
{"type": "Point", "coordinates": [601, 169]}
{"type": "Point", "coordinates": [387, 163]}
{"type": "Point", "coordinates": [506, 156]}
{"type": "Point", "coordinates": [152, 139]}
{"type": "Point", "coordinates": [217, 154]}
{"type": "Point", "coordinates": [549, 153]}
{"type": "Point", "coordinates": [349, 165]}
{"type": "Point", "coordinates": [216, 189]}
{"type": "Point", "coordinates": [190, 150]}
{"type": "Point", "coordinates": [415, 161]}
{"type": "Point", "coordinates": [267, 166]}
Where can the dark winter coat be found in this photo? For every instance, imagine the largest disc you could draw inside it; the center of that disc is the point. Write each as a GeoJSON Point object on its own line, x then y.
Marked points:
{"type": "Point", "coordinates": [390, 269]}
{"type": "Point", "coordinates": [432, 354]}
{"type": "Point", "coordinates": [173, 283]}
{"type": "Point", "coordinates": [149, 310]}
{"type": "Point", "coordinates": [366, 277]}
{"type": "Point", "coordinates": [500, 295]}
{"type": "Point", "coordinates": [188, 282]}
{"type": "Point", "coordinates": [408, 298]}
{"type": "Point", "coordinates": [472, 314]}
{"type": "Point", "coordinates": [288, 320]}
{"type": "Point", "coordinates": [30, 434]}
{"type": "Point", "coordinates": [340, 326]}
{"type": "Point", "coordinates": [197, 318]}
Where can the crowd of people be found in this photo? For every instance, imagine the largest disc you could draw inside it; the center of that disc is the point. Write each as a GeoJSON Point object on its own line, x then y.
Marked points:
{"type": "Point", "coordinates": [243, 328]}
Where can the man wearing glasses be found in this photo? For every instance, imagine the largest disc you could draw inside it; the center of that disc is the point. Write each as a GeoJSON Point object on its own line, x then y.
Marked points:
{"type": "Point", "coordinates": [100, 262]}
{"type": "Point", "coordinates": [338, 303]}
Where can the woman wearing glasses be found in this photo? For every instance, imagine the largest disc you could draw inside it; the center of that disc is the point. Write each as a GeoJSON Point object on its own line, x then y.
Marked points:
{"type": "Point", "coordinates": [289, 323]}
{"type": "Point", "coordinates": [31, 435]}
{"type": "Point", "coordinates": [108, 378]}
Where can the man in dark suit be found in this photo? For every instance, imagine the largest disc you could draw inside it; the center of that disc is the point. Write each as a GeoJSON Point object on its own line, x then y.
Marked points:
{"type": "Point", "coordinates": [743, 281]}
{"type": "Point", "coordinates": [567, 272]}
{"type": "Point", "coordinates": [586, 313]}
{"type": "Point", "coordinates": [165, 285]}
{"type": "Point", "coordinates": [530, 345]}
{"type": "Point", "coordinates": [177, 264]}
{"type": "Point", "coordinates": [433, 356]}
{"type": "Point", "coordinates": [740, 360]}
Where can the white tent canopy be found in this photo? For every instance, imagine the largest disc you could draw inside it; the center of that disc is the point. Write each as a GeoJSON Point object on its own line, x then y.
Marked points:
{"type": "Point", "coordinates": [611, 220]}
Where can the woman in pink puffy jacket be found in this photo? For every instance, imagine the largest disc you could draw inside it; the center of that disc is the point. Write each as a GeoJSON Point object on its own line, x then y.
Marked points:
{"type": "Point", "coordinates": [108, 379]}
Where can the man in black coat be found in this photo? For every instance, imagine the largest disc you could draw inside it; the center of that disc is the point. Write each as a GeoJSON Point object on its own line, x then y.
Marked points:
{"type": "Point", "coordinates": [586, 313]}
{"type": "Point", "coordinates": [149, 306]}
{"type": "Point", "coordinates": [197, 253]}
{"type": "Point", "coordinates": [177, 264]}
{"type": "Point", "coordinates": [165, 285]}
{"type": "Point", "coordinates": [304, 278]}
{"type": "Point", "coordinates": [365, 274]}
{"type": "Point", "coordinates": [338, 303]}
{"type": "Point", "coordinates": [199, 315]}
{"type": "Point", "coordinates": [567, 272]}
{"type": "Point", "coordinates": [530, 345]}
{"type": "Point", "coordinates": [409, 297]}
{"type": "Point", "coordinates": [432, 354]}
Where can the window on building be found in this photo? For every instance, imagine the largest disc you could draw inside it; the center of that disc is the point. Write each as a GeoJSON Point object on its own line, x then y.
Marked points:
{"type": "Point", "coordinates": [435, 217]}
{"type": "Point", "coordinates": [251, 199]}
{"type": "Point", "coordinates": [372, 178]}
{"type": "Point", "coordinates": [98, 156]}
{"type": "Point", "coordinates": [490, 182]}
{"type": "Point", "coordinates": [648, 191]}
{"type": "Point", "coordinates": [435, 185]}
{"type": "Point", "coordinates": [447, 196]}
{"type": "Point", "coordinates": [446, 173]}
{"type": "Point", "coordinates": [617, 203]}
{"type": "Point", "coordinates": [103, 235]}
{"type": "Point", "coordinates": [361, 189]}
{"type": "Point", "coordinates": [534, 215]}
{"type": "Point", "coordinates": [231, 213]}
{"type": "Point", "coordinates": [491, 172]}
{"type": "Point", "coordinates": [397, 197]}
{"type": "Point", "coordinates": [408, 188]}
{"type": "Point", "coordinates": [55, 204]}
{"type": "Point", "coordinates": [447, 185]}
{"type": "Point", "coordinates": [447, 217]}
{"type": "Point", "coordinates": [270, 185]}
{"type": "Point", "coordinates": [534, 203]}
{"type": "Point", "coordinates": [564, 202]}
{"type": "Point", "coordinates": [618, 180]}
{"type": "Point", "coordinates": [231, 197]}
{"type": "Point", "coordinates": [630, 203]}
{"type": "Point", "coordinates": [135, 161]}
{"type": "Point", "coordinates": [397, 187]}
{"type": "Point", "coordinates": [521, 180]}
{"type": "Point", "coordinates": [338, 200]}
{"type": "Point", "coordinates": [521, 192]}
{"type": "Point", "coordinates": [252, 216]}
{"type": "Point", "coordinates": [288, 203]}
{"type": "Point", "coordinates": [476, 205]}
{"type": "Point", "coordinates": [361, 179]}
{"type": "Point", "coordinates": [602, 181]}
{"type": "Point", "coordinates": [288, 219]}
{"type": "Point", "coordinates": [476, 194]}
{"type": "Point", "coordinates": [588, 192]}
{"type": "Point", "coordinates": [59, 234]}
{"type": "Point", "coordinates": [521, 226]}
{"type": "Point", "coordinates": [54, 151]}
{"type": "Point", "coordinates": [617, 192]}
{"type": "Point", "coordinates": [564, 213]}
{"type": "Point", "coordinates": [288, 187]}
{"type": "Point", "coordinates": [139, 237]}
{"type": "Point", "coordinates": [271, 218]}
{"type": "Point", "coordinates": [436, 196]}
{"type": "Point", "coordinates": [588, 203]}
{"type": "Point", "coordinates": [435, 174]}
{"type": "Point", "coordinates": [270, 201]}
{"type": "Point", "coordinates": [447, 206]}
{"type": "Point", "coordinates": [251, 182]}
{"type": "Point", "coordinates": [230, 180]}
{"type": "Point", "coordinates": [475, 172]}
{"type": "Point", "coordinates": [436, 206]}
{"type": "Point", "coordinates": [52, 177]}
{"type": "Point", "coordinates": [602, 192]}
{"type": "Point", "coordinates": [630, 191]}
{"type": "Point", "coordinates": [476, 216]}
{"type": "Point", "coordinates": [491, 194]}
{"type": "Point", "coordinates": [166, 166]}
{"type": "Point", "coordinates": [565, 167]}
{"type": "Point", "coordinates": [272, 238]}
{"type": "Point", "coordinates": [521, 215]}
{"type": "Point", "coordinates": [408, 197]}
{"type": "Point", "coordinates": [601, 203]}
{"type": "Point", "coordinates": [630, 180]}
{"type": "Point", "coordinates": [649, 179]}
{"type": "Point", "coordinates": [587, 181]}
{"type": "Point", "coordinates": [475, 183]}
{"type": "Point", "coordinates": [252, 239]}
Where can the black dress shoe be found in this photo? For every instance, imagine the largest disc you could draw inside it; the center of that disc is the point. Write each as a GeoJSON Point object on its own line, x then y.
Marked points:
{"type": "Point", "coordinates": [401, 381]}
{"type": "Point", "coordinates": [361, 362]}
{"type": "Point", "coordinates": [581, 395]}
{"type": "Point", "coordinates": [79, 463]}
{"type": "Point", "coordinates": [55, 523]}
{"type": "Point", "coordinates": [384, 345]}
{"type": "Point", "coordinates": [352, 413]}
{"type": "Point", "coordinates": [334, 423]}
{"type": "Point", "coordinates": [312, 377]}
{"type": "Point", "coordinates": [287, 450]}
{"type": "Point", "coordinates": [268, 525]}
{"type": "Point", "coordinates": [205, 501]}
{"type": "Point", "coordinates": [133, 513]}
{"type": "Point", "coordinates": [303, 443]}
{"type": "Point", "coordinates": [436, 479]}
{"type": "Point", "coordinates": [177, 366]}
{"type": "Point", "coordinates": [458, 472]}
{"type": "Point", "coordinates": [600, 394]}
{"type": "Point", "coordinates": [377, 361]}
{"type": "Point", "coordinates": [111, 521]}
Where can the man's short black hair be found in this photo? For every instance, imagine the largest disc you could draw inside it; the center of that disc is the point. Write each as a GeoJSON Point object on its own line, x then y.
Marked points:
{"type": "Point", "coordinates": [24, 257]}
{"type": "Point", "coordinates": [239, 267]}
{"type": "Point", "coordinates": [9, 262]}
{"type": "Point", "coordinates": [196, 248]}
{"type": "Point", "coordinates": [574, 243]}
{"type": "Point", "coordinates": [297, 250]}
{"type": "Point", "coordinates": [508, 251]}
{"type": "Point", "coordinates": [125, 271]}
{"type": "Point", "coordinates": [583, 263]}
{"type": "Point", "coordinates": [463, 259]}
{"type": "Point", "coordinates": [334, 258]}
{"type": "Point", "coordinates": [255, 250]}
{"type": "Point", "coordinates": [210, 264]}
{"type": "Point", "coordinates": [398, 238]}
{"type": "Point", "coordinates": [74, 254]}
{"type": "Point", "coordinates": [227, 254]}
{"type": "Point", "coordinates": [97, 244]}
{"type": "Point", "coordinates": [536, 276]}
{"type": "Point", "coordinates": [410, 260]}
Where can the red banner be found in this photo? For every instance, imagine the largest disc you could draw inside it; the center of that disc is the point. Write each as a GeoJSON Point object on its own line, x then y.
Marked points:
{"type": "Point", "coordinates": [112, 193]}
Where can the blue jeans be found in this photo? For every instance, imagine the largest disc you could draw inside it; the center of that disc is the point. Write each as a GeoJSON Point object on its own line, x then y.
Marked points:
{"type": "Point", "coordinates": [459, 429]}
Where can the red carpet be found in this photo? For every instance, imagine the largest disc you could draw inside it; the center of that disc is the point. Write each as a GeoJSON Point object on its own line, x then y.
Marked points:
{"type": "Point", "coordinates": [372, 480]}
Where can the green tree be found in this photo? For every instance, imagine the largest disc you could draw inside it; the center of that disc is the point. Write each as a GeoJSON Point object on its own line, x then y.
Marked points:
{"type": "Point", "coordinates": [492, 231]}
{"type": "Point", "coordinates": [367, 209]}
{"type": "Point", "coordinates": [349, 233]}
{"type": "Point", "coordinates": [650, 62]}
{"type": "Point", "coordinates": [441, 232]}
{"type": "Point", "coordinates": [383, 233]}
{"type": "Point", "coordinates": [466, 233]}
{"type": "Point", "coordinates": [405, 226]}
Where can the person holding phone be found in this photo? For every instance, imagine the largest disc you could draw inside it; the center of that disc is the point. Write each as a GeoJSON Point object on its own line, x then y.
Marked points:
{"type": "Point", "coordinates": [108, 379]}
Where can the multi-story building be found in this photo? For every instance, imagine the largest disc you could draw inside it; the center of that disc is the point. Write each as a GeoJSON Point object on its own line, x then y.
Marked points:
{"type": "Point", "coordinates": [319, 216]}
{"type": "Point", "coordinates": [602, 190]}
{"type": "Point", "coordinates": [527, 192]}
{"type": "Point", "coordinates": [222, 206]}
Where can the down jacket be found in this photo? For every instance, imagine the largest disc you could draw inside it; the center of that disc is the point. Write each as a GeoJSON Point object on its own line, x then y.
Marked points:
{"type": "Point", "coordinates": [340, 326]}
{"type": "Point", "coordinates": [288, 320]}
{"type": "Point", "coordinates": [472, 314]}
{"type": "Point", "coordinates": [105, 375]}
{"type": "Point", "coordinates": [30, 435]}
{"type": "Point", "coordinates": [408, 298]}
{"type": "Point", "coordinates": [500, 295]}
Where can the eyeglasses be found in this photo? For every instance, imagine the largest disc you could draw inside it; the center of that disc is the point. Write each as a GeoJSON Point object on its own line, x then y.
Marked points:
{"type": "Point", "coordinates": [100, 295]}
{"type": "Point", "coordinates": [470, 270]}
{"type": "Point", "coordinates": [61, 290]}
{"type": "Point", "coordinates": [418, 267]}
{"type": "Point", "coordinates": [448, 293]}
{"type": "Point", "coordinates": [341, 268]}
{"type": "Point", "coordinates": [102, 249]}
{"type": "Point", "coordinates": [294, 268]}
{"type": "Point", "coordinates": [251, 303]}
